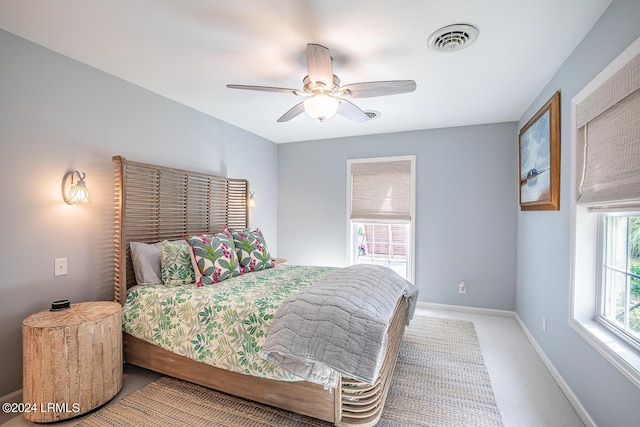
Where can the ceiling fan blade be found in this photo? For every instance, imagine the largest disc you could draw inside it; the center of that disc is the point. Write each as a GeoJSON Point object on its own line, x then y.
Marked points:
{"type": "Point", "coordinates": [264, 88]}
{"type": "Point", "coordinates": [319, 66]}
{"type": "Point", "coordinates": [383, 88]}
{"type": "Point", "coordinates": [351, 111]}
{"type": "Point", "coordinates": [294, 112]}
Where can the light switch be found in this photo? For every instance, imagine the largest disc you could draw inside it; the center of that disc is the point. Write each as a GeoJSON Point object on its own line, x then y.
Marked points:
{"type": "Point", "coordinates": [60, 267]}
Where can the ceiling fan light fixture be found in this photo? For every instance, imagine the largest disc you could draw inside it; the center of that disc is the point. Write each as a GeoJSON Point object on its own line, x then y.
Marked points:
{"type": "Point", "coordinates": [325, 96]}
{"type": "Point", "coordinates": [321, 106]}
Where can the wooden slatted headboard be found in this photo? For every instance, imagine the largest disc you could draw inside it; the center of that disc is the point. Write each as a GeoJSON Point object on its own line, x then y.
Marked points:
{"type": "Point", "coordinates": [154, 203]}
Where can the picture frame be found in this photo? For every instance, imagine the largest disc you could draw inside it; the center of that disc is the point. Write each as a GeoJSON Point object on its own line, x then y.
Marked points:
{"type": "Point", "coordinates": [539, 159]}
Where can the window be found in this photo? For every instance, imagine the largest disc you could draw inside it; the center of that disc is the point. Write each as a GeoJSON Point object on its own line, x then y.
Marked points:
{"type": "Point", "coordinates": [380, 210]}
{"type": "Point", "coordinates": [382, 244]}
{"type": "Point", "coordinates": [605, 213]}
{"type": "Point", "coordinates": [620, 277]}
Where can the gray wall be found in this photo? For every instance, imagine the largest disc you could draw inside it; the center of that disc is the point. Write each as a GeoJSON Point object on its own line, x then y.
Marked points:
{"type": "Point", "coordinates": [466, 196]}
{"type": "Point", "coordinates": [543, 276]}
{"type": "Point", "coordinates": [57, 114]}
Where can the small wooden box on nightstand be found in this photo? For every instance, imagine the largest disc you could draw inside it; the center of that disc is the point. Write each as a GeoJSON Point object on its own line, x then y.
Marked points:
{"type": "Point", "coordinates": [278, 261]}
{"type": "Point", "coordinates": [72, 360]}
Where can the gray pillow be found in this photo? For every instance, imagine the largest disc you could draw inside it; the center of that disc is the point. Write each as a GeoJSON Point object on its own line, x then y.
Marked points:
{"type": "Point", "coordinates": [146, 262]}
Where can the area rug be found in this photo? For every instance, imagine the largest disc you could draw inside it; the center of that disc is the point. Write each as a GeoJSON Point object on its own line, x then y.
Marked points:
{"type": "Point", "coordinates": [440, 380]}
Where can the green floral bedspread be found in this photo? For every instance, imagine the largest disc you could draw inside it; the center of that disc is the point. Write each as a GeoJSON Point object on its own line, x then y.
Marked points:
{"type": "Point", "coordinates": [223, 325]}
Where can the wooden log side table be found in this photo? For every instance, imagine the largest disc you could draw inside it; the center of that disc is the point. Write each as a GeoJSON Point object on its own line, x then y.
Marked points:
{"type": "Point", "coordinates": [72, 360]}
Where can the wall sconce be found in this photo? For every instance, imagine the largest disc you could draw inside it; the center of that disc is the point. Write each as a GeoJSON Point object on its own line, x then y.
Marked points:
{"type": "Point", "coordinates": [251, 201]}
{"type": "Point", "coordinates": [77, 192]}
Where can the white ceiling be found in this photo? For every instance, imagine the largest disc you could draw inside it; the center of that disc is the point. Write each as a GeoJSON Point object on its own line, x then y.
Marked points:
{"type": "Point", "coordinates": [188, 50]}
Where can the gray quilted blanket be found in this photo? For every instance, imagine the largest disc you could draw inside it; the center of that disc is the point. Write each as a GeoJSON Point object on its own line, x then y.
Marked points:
{"type": "Point", "coordinates": [338, 325]}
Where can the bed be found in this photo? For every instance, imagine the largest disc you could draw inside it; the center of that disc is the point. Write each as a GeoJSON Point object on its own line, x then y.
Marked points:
{"type": "Point", "coordinates": [155, 204]}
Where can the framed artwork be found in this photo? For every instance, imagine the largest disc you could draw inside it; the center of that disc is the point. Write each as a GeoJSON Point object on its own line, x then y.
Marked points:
{"type": "Point", "coordinates": [539, 143]}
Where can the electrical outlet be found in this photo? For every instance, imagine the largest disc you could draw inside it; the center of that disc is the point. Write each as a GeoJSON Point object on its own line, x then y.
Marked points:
{"type": "Point", "coordinates": [60, 267]}
{"type": "Point", "coordinates": [544, 324]}
{"type": "Point", "coordinates": [462, 288]}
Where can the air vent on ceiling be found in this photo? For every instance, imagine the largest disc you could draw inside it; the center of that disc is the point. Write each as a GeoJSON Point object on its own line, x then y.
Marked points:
{"type": "Point", "coordinates": [452, 37]}
{"type": "Point", "coordinates": [372, 114]}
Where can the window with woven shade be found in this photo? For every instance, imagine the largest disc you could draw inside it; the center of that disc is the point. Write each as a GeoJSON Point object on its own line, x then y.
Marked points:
{"type": "Point", "coordinates": [381, 191]}
{"type": "Point", "coordinates": [380, 212]}
{"type": "Point", "coordinates": [609, 122]}
{"type": "Point", "coordinates": [605, 290]}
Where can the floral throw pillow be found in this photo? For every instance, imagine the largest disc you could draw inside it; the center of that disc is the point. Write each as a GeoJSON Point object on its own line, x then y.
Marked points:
{"type": "Point", "coordinates": [252, 250]}
{"type": "Point", "coordinates": [177, 268]}
{"type": "Point", "coordinates": [213, 256]}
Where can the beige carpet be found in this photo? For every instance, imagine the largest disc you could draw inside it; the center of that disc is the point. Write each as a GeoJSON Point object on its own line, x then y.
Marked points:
{"type": "Point", "coordinates": [440, 380]}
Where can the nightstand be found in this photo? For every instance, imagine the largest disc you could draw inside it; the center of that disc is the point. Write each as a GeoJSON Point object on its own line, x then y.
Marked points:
{"type": "Point", "coordinates": [72, 360]}
{"type": "Point", "coordinates": [278, 261]}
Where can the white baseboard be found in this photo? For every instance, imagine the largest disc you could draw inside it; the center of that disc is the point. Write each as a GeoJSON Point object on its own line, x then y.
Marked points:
{"type": "Point", "coordinates": [464, 309]}
{"type": "Point", "coordinates": [573, 399]}
{"type": "Point", "coordinates": [11, 396]}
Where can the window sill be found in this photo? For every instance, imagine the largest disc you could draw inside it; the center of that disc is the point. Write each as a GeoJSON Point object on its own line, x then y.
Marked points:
{"type": "Point", "coordinates": [614, 349]}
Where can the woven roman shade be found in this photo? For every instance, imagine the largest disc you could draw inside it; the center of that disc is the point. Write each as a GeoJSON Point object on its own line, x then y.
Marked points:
{"type": "Point", "coordinates": [610, 118]}
{"type": "Point", "coordinates": [381, 191]}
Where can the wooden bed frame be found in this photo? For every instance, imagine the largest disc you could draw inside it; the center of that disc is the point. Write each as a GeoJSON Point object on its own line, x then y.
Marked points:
{"type": "Point", "coordinates": [154, 203]}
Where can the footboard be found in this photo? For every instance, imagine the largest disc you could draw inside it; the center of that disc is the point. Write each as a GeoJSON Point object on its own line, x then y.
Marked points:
{"type": "Point", "coordinates": [360, 404]}
{"type": "Point", "coordinates": [351, 404]}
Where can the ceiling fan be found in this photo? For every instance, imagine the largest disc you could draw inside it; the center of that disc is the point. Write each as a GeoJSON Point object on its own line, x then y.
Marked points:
{"type": "Point", "coordinates": [325, 96]}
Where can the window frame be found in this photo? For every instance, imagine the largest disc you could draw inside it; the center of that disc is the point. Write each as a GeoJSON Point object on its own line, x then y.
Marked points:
{"type": "Point", "coordinates": [586, 243]}
{"type": "Point", "coordinates": [600, 316]}
{"type": "Point", "coordinates": [412, 228]}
